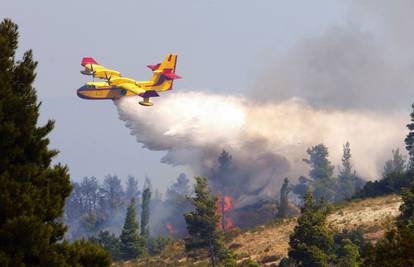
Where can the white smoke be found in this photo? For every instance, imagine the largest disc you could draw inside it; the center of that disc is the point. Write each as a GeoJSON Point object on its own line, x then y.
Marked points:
{"type": "Point", "coordinates": [271, 139]}
{"type": "Point", "coordinates": [351, 83]}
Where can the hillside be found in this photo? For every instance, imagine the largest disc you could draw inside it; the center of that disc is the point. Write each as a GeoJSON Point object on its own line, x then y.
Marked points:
{"type": "Point", "coordinates": [268, 243]}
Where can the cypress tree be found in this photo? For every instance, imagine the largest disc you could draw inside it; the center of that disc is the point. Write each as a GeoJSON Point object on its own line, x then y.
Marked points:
{"type": "Point", "coordinates": [145, 212]}
{"type": "Point", "coordinates": [132, 244]}
{"type": "Point", "coordinates": [202, 224]}
{"type": "Point", "coordinates": [346, 177]}
{"type": "Point", "coordinates": [284, 201]}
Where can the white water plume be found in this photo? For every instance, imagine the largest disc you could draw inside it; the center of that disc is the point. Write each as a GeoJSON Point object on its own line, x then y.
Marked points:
{"type": "Point", "coordinates": [267, 140]}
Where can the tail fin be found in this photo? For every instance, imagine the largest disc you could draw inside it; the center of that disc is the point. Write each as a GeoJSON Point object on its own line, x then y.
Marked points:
{"type": "Point", "coordinates": [164, 73]}
{"type": "Point", "coordinates": [88, 60]}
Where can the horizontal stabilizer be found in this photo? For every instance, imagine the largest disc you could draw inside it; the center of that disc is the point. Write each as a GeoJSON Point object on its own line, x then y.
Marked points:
{"type": "Point", "coordinates": [154, 67]}
{"type": "Point", "coordinates": [88, 60]}
{"type": "Point", "coordinates": [170, 74]}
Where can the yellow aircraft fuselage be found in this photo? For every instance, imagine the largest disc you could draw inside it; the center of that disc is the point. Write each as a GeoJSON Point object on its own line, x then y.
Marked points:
{"type": "Point", "coordinates": [117, 86]}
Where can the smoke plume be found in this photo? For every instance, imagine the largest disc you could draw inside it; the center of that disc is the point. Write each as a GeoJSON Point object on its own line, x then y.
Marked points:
{"type": "Point", "coordinates": [353, 83]}
{"type": "Point", "coordinates": [267, 140]}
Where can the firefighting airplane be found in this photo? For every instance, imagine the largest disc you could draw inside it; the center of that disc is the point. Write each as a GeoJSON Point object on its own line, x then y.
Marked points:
{"type": "Point", "coordinates": [117, 86]}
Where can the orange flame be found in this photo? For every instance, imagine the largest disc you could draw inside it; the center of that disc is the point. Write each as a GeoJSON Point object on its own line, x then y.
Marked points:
{"type": "Point", "coordinates": [223, 205]}
{"type": "Point", "coordinates": [227, 203]}
{"type": "Point", "coordinates": [228, 223]}
{"type": "Point", "coordinates": [170, 228]}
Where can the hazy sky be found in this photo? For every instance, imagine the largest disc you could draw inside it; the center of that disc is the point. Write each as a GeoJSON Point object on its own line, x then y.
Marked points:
{"type": "Point", "coordinates": [223, 46]}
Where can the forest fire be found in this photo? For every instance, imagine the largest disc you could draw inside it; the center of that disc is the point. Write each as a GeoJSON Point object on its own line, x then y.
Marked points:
{"type": "Point", "coordinates": [227, 203]}
{"type": "Point", "coordinates": [170, 229]}
{"type": "Point", "coordinates": [224, 205]}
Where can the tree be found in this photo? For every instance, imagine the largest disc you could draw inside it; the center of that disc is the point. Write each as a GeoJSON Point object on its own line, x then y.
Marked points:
{"type": "Point", "coordinates": [145, 213]}
{"type": "Point", "coordinates": [88, 254]}
{"type": "Point", "coordinates": [321, 172]}
{"type": "Point", "coordinates": [301, 187]}
{"type": "Point", "coordinates": [409, 141]}
{"type": "Point", "coordinates": [167, 216]}
{"type": "Point", "coordinates": [112, 194]}
{"type": "Point", "coordinates": [394, 178]}
{"type": "Point", "coordinates": [348, 254]}
{"type": "Point", "coordinates": [132, 243]}
{"type": "Point", "coordinates": [157, 245]}
{"type": "Point", "coordinates": [32, 190]}
{"type": "Point", "coordinates": [311, 243]}
{"type": "Point", "coordinates": [110, 242]}
{"type": "Point", "coordinates": [180, 188]}
{"type": "Point", "coordinates": [397, 246]}
{"type": "Point", "coordinates": [132, 190]}
{"type": "Point", "coordinates": [202, 223]}
{"type": "Point", "coordinates": [396, 164]}
{"type": "Point", "coordinates": [222, 175]}
{"type": "Point", "coordinates": [89, 190]}
{"type": "Point", "coordinates": [347, 176]}
{"type": "Point", "coordinates": [284, 201]}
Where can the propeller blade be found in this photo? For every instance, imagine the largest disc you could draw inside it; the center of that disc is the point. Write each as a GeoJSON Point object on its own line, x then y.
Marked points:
{"type": "Point", "coordinates": [108, 78]}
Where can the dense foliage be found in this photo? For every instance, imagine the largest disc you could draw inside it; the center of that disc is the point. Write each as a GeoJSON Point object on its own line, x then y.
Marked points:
{"type": "Point", "coordinates": [395, 178]}
{"type": "Point", "coordinates": [321, 171]}
{"type": "Point", "coordinates": [396, 248]}
{"type": "Point", "coordinates": [311, 242]}
{"type": "Point", "coordinates": [32, 191]}
{"type": "Point", "coordinates": [132, 243]}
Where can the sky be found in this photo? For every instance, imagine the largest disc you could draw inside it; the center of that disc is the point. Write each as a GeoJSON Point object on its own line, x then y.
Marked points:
{"type": "Point", "coordinates": [223, 47]}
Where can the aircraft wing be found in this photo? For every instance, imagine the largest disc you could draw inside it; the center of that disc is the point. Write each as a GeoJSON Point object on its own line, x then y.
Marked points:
{"type": "Point", "coordinates": [96, 70]}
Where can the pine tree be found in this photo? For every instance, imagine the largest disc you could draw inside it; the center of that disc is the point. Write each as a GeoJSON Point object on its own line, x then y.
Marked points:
{"type": "Point", "coordinates": [321, 172]}
{"type": "Point", "coordinates": [202, 223]}
{"type": "Point", "coordinates": [347, 176]}
{"type": "Point", "coordinates": [32, 190]}
{"type": "Point", "coordinates": [409, 141]}
{"type": "Point", "coordinates": [132, 243]}
{"type": "Point", "coordinates": [284, 201]}
{"type": "Point", "coordinates": [145, 213]}
{"type": "Point", "coordinates": [311, 243]}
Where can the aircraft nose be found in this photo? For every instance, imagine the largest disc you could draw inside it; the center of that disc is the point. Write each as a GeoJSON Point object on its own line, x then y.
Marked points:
{"type": "Point", "coordinates": [80, 91]}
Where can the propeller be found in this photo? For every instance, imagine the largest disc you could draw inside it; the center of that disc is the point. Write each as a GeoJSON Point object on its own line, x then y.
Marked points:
{"type": "Point", "coordinates": [93, 73]}
{"type": "Point", "coordinates": [108, 78]}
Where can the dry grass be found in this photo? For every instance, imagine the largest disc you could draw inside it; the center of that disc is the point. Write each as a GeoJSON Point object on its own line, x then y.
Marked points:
{"type": "Point", "coordinates": [267, 244]}
{"type": "Point", "coordinates": [372, 215]}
